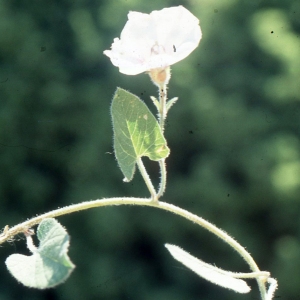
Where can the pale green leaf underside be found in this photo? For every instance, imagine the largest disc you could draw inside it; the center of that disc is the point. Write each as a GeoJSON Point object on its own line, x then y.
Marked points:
{"type": "Point", "coordinates": [49, 265]}
{"type": "Point", "coordinates": [136, 132]}
{"type": "Point", "coordinates": [211, 273]}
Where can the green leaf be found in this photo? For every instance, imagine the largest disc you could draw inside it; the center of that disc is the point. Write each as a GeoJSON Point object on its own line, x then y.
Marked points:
{"type": "Point", "coordinates": [211, 273]}
{"type": "Point", "coordinates": [171, 102]}
{"type": "Point", "coordinates": [155, 102]}
{"type": "Point", "coordinates": [49, 264]}
{"type": "Point", "coordinates": [136, 132]}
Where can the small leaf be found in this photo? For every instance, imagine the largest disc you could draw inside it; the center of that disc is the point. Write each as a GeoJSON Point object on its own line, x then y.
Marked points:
{"type": "Point", "coordinates": [136, 132]}
{"type": "Point", "coordinates": [171, 102]}
{"type": "Point", "coordinates": [207, 271]}
{"type": "Point", "coordinates": [49, 265]}
{"type": "Point", "coordinates": [155, 102]}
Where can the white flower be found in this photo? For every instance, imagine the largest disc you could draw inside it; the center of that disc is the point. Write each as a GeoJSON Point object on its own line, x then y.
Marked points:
{"type": "Point", "coordinates": [155, 41]}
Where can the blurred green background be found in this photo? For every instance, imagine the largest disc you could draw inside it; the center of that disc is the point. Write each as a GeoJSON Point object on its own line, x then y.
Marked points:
{"type": "Point", "coordinates": [234, 139]}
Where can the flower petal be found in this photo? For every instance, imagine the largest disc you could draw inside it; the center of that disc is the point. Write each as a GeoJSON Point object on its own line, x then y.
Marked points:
{"type": "Point", "coordinates": [157, 40]}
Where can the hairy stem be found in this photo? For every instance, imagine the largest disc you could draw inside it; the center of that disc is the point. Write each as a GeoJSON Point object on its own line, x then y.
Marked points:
{"type": "Point", "coordinates": [10, 233]}
{"type": "Point", "coordinates": [162, 115]}
{"type": "Point", "coordinates": [163, 106]}
{"type": "Point", "coordinates": [146, 179]}
{"type": "Point", "coordinates": [163, 177]}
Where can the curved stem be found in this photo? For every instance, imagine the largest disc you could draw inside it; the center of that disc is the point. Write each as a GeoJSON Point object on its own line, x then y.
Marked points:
{"type": "Point", "coordinates": [163, 177]}
{"type": "Point", "coordinates": [272, 288]}
{"type": "Point", "coordinates": [147, 179]}
{"type": "Point", "coordinates": [10, 233]}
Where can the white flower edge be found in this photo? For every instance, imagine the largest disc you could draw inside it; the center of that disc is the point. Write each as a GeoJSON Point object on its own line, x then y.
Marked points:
{"type": "Point", "coordinates": [155, 41]}
{"type": "Point", "coordinates": [213, 274]}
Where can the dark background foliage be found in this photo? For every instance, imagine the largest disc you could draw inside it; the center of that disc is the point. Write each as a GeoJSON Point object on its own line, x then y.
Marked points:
{"type": "Point", "coordinates": [234, 139]}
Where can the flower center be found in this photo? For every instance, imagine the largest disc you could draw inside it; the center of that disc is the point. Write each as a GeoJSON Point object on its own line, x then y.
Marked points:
{"type": "Point", "coordinates": [157, 49]}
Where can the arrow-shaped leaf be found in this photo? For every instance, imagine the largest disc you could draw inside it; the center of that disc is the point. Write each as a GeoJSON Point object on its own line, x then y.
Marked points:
{"type": "Point", "coordinates": [211, 273]}
{"type": "Point", "coordinates": [136, 132]}
{"type": "Point", "coordinates": [49, 264]}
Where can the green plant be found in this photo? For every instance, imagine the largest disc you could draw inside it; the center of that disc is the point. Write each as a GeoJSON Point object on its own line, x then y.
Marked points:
{"type": "Point", "coordinates": [149, 43]}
